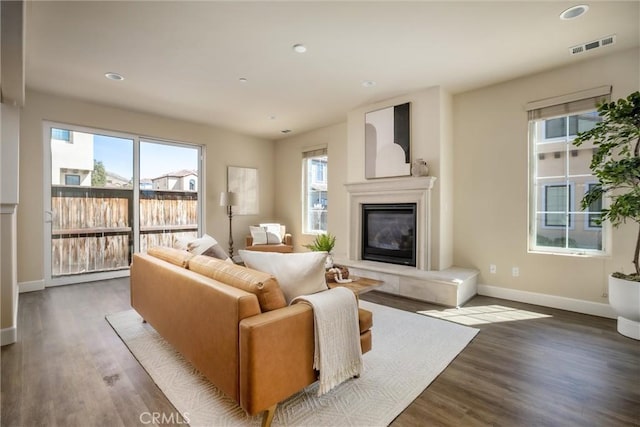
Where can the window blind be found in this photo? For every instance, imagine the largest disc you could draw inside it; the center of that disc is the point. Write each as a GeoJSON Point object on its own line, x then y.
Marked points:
{"type": "Point", "coordinates": [568, 104]}
{"type": "Point", "coordinates": [314, 153]}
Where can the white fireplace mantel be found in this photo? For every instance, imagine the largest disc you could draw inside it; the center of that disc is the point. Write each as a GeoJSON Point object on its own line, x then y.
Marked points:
{"type": "Point", "coordinates": [394, 190]}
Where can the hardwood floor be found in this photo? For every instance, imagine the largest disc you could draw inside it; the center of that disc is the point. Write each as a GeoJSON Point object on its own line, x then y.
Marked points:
{"type": "Point", "coordinates": [69, 368]}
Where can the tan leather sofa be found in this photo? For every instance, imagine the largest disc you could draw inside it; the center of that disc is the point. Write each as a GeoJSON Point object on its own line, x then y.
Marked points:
{"type": "Point", "coordinates": [232, 323]}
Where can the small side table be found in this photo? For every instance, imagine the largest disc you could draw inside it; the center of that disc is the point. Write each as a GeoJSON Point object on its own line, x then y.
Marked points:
{"type": "Point", "coordinates": [359, 285]}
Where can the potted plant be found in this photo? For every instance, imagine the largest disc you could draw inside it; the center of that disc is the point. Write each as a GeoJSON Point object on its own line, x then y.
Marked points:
{"type": "Point", "coordinates": [324, 243]}
{"type": "Point", "coordinates": [616, 165]}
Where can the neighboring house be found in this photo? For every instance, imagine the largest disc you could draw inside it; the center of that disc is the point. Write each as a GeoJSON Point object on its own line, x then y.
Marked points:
{"type": "Point", "coordinates": [115, 180]}
{"type": "Point", "coordinates": [71, 158]}
{"type": "Point", "coordinates": [318, 183]}
{"type": "Point", "coordinates": [183, 180]}
{"type": "Point", "coordinates": [563, 178]}
{"type": "Point", "coordinates": [146, 184]}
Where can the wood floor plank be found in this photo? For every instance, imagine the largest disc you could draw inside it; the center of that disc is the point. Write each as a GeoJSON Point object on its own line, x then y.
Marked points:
{"type": "Point", "coordinates": [70, 368]}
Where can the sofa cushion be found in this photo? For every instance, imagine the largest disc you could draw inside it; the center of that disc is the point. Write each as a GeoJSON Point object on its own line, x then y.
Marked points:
{"type": "Point", "coordinates": [262, 285]}
{"type": "Point", "coordinates": [178, 257]}
{"type": "Point", "coordinates": [297, 273]}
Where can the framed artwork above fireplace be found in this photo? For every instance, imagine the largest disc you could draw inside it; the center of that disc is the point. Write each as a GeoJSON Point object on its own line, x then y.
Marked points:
{"type": "Point", "coordinates": [387, 142]}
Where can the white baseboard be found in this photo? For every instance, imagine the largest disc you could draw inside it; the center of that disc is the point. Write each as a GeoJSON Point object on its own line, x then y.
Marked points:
{"type": "Point", "coordinates": [553, 301]}
{"type": "Point", "coordinates": [34, 285]}
{"type": "Point", "coordinates": [8, 335]}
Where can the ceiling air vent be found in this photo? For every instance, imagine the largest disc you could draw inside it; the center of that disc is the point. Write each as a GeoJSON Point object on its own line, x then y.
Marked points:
{"type": "Point", "coordinates": [604, 41]}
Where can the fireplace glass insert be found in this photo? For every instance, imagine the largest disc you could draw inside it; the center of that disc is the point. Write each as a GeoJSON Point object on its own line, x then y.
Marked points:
{"type": "Point", "coordinates": [389, 233]}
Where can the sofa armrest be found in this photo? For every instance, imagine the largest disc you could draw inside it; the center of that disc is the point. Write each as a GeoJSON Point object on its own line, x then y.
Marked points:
{"type": "Point", "coordinates": [248, 241]}
{"type": "Point", "coordinates": [276, 356]}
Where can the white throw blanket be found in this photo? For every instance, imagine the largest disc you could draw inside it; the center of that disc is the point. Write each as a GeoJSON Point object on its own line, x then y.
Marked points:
{"type": "Point", "coordinates": [337, 354]}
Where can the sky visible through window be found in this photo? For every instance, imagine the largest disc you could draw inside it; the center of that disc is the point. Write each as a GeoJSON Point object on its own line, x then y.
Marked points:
{"type": "Point", "coordinates": [155, 159]}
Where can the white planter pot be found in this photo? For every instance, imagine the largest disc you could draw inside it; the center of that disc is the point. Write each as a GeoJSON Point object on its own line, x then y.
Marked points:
{"type": "Point", "coordinates": [624, 297]}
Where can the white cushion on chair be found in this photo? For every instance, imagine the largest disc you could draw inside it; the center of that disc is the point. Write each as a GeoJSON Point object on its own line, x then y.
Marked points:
{"type": "Point", "coordinates": [264, 236]}
{"type": "Point", "coordinates": [276, 230]}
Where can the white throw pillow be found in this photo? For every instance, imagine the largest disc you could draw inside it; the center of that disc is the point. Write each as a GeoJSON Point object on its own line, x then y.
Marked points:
{"type": "Point", "coordinates": [205, 245]}
{"type": "Point", "coordinates": [182, 242]}
{"type": "Point", "coordinates": [262, 236]}
{"type": "Point", "coordinates": [274, 232]}
{"type": "Point", "coordinates": [297, 273]}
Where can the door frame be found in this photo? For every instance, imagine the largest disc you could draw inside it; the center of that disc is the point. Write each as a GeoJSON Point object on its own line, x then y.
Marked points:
{"type": "Point", "coordinates": [49, 280]}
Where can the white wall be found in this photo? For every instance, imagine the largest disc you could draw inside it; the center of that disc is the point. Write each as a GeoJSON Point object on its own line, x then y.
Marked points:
{"type": "Point", "coordinates": [10, 131]}
{"type": "Point", "coordinates": [223, 148]}
{"type": "Point", "coordinates": [491, 182]}
{"type": "Point", "coordinates": [431, 140]}
{"type": "Point", "coordinates": [289, 183]}
{"type": "Point", "coordinates": [12, 47]}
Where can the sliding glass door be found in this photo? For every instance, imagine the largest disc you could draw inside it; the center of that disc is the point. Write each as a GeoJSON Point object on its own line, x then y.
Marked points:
{"type": "Point", "coordinates": [109, 195]}
{"type": "Point", "coordinates": [169, 203]}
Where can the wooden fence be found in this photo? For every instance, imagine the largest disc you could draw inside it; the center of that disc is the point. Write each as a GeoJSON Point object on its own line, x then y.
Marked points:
{"type": "Point", "coordinates": [161, 208]}
{"type": "Point", "coordinates": [92, 227]}
{"type": "Point", "coordinates": [86, 254]}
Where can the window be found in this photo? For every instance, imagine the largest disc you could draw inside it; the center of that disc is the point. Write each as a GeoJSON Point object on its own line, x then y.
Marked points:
{"type": "Point", "coordinates": [556, 205]}
{"type": "Point", "coordinates": [560, 176]}
{"type": "Point", "coordinates": [61, 134]}
{"type": "Point", "coordinates": [71, 179]}
{"type": "Point", "coordinates": [594, 211]}
{"type": "Point", "coordinates": [314, 210]}
{"type": "Point", "coordinates": [556, 129]}
{"type": "Point", "coordinates": [94, 201]}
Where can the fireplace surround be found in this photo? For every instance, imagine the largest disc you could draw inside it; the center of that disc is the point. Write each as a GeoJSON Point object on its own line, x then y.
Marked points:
{"type": "Point", "coordinates": [451, 287]}
{"type": "Point", "coordinates": [406, 190]}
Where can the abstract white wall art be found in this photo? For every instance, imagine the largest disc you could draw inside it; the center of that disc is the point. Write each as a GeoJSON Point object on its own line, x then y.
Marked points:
{"type": "Point", "coordinates": [387, 142]}
{"type": "Point", "coordinates": [244, 182]}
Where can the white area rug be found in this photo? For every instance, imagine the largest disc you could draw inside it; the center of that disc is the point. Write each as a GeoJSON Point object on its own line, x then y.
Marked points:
{"type": "Point", "coordinates": [409, 352]}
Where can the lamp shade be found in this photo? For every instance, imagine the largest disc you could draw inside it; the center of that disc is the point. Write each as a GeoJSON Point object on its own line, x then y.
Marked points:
{"type": "Point", "coordinates": [227, 198]}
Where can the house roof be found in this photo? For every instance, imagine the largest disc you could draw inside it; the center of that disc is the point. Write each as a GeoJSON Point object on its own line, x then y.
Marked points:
{"type": "Point", "coordinates": [185, 59]}
{"type": "Point", "coordinates": [178, 174]}
{"type": "Point", "coordinates": [115, 176]}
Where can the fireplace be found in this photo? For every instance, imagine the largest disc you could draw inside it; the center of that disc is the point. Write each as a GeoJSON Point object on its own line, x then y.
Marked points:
{"type": "Point", "coordinates": [389, 233]}
{"type": "Point", "coordinates": [392, 191]}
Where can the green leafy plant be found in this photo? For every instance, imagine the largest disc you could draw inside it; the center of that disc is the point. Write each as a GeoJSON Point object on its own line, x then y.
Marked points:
{"type": "Point", "coordinates": [322, 242]}
{"type": "Point", "coordinates": [616, 164]}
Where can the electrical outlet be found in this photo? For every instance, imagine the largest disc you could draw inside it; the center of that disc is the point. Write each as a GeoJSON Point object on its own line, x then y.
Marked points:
{"type": "Point", "coordinates": [515, 271]}
{"type": "Point", "coordinates": [492, 269]}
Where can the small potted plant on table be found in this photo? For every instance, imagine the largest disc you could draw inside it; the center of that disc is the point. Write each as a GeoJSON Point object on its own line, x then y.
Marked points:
{"type": "Point", "coordinates": [324, 243]}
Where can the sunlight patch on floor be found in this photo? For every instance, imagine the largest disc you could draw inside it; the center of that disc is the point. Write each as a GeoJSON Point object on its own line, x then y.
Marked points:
{"type": "Point", "coordinates": [483, 314]}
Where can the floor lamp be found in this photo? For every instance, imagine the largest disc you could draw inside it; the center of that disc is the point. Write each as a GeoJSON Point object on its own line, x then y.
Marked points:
{"type": "Point", "coordinates": [228, 199]}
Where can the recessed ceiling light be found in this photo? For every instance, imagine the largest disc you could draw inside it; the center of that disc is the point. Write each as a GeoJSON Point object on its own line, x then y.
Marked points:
{"type": "Point", "coordinates": [368, 83]}
{"type": "Point", "coordinates": [574, 12]}
{"type": "Point", "coordinates": [114, 76]}
{"type": "Point", "coordinates": [300, 48]}
{"type": "Point", "coordinates": [285, 130]}
{"type": "Point", "coordinates": [242, 80]}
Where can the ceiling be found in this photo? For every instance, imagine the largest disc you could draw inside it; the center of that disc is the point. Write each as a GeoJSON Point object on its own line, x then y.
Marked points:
{"type": "Point", "coordinates": [185, 59]}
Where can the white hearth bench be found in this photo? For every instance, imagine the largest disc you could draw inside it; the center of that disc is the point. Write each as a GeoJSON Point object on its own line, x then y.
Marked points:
{"type": "Point", "coordinates": [451, 287]}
